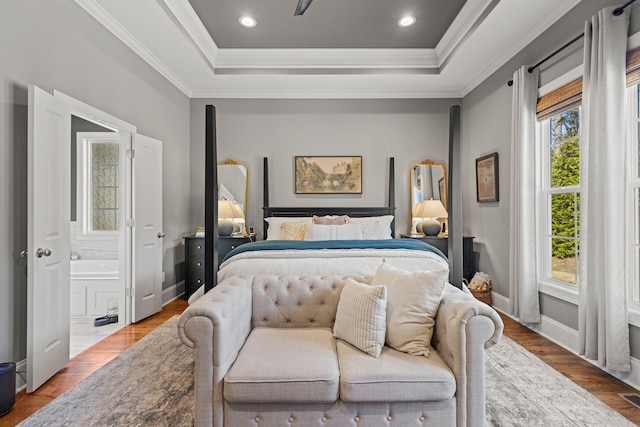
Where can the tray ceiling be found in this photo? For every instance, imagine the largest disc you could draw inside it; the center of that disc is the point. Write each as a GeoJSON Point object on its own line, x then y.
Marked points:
{"type": "Point", "coordinates": [337, 49]}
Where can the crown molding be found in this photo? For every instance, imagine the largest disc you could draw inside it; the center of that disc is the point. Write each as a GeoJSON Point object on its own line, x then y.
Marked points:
{"type": "Point", "coordinates": [190, 22]}
{"type": "Point", "coordinates": [470, 17]}
{"type": "Point", "coordinates": [325, 87]}
{"type": "Point", "coordinates": [327, 58]}
{"type": "Point", "coordinates": [104, 18]}
{"type": "Point", "coordinates": [493, 64]}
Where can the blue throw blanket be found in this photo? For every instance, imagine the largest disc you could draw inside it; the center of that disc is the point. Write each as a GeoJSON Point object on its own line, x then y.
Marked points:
{"type": "Point", "coordinates": [274, 245]}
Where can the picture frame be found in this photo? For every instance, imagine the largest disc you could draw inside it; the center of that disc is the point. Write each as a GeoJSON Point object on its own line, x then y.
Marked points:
{"type": "Point", "coordinates": [328, 175]}
{"type": "Point", "coordinates": [487, 181]}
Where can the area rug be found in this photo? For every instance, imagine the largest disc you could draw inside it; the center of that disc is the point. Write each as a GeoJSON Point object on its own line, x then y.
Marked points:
{"type": "Point", "coordinates": [151, 384]}
{"type": "Point", "coordinates": [522, 390]}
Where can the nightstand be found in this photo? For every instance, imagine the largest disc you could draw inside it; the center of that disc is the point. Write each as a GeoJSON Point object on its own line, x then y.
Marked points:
{"type": "Point", "coordinates": [194, 258]}
{"type": "Point", "coordinates": [442, 243]}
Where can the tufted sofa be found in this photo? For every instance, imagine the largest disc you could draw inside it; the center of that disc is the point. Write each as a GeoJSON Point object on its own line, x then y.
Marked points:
{"type": "Point", "coordinates": [265, 356]}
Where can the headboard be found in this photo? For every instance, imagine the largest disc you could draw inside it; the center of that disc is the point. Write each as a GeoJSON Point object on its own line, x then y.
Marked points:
{"type": "Point", "coordinates": [355, 212]}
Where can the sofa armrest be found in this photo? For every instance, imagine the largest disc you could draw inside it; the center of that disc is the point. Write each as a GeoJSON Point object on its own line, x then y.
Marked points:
{"type": "Point", "coordinates": [464, 329]}
{"type": "Point", "coordinates": [216, 326]}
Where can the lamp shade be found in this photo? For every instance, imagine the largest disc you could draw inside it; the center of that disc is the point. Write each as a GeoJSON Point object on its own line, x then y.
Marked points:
{"type": "Point", "coordinates": [229, 210]}
{"type": "Point", "coordinates": [430, 209]}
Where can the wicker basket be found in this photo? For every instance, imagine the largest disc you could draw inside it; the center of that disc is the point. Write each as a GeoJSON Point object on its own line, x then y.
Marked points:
{"type": "Point", "coordinates": [484, 296]}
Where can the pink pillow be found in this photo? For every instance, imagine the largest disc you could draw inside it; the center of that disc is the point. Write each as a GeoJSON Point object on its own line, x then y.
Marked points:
{"type": "Point", "coordinates": [331, 220]}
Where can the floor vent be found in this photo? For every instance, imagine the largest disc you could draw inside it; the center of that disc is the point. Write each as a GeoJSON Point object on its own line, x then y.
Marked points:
{"type": "Point", "coordinates": [632, 398]}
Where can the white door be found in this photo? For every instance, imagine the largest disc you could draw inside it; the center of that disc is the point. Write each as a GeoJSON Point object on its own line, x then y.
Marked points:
{"type": "Point", "coordinates": [148, 234]}
{"type": "Point", "coordinates": [48, 236]}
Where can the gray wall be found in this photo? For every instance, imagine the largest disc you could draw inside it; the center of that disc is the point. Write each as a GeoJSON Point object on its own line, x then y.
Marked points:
{"type": "Point", "coordinates": [486, 119]}
{"type": "Point", "coordinates": [248, 130]}
{"type": "Point", "coordinates": [57, 45]}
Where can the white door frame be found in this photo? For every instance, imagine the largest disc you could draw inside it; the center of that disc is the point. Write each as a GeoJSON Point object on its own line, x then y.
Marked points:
{"type": "Point", "coordinates": [126, 131]}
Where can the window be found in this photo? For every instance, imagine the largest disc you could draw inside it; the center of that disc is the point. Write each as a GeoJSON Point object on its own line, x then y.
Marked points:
{"type": "Point", "coordinates": [559, 137]}
{"type": "Point", "coordinates": [98, 185]}
{"type": "Point", "coordinates": [633, 182]}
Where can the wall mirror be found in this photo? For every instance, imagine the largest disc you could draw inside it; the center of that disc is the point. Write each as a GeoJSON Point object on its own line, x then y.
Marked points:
{"type": "Point", "coordinates": [232, 197]}
{"type": "Point", "coordinates": [427, 181]}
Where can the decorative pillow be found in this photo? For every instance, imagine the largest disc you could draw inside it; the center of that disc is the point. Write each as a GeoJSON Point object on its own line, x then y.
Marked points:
{"type": "Point", "coordinates": [273, 232]}
{"type": "Point", "coordinates": [332, 232]}
{"type": "Point", "coordinates": [370, 229]}
{"type": "Point", "coordinates": [413, 299]}
{"type": "Point", "coordinates": [292, 230]}
{"type": "Point", "coordinates": [331, 220]}
{"type": "Point", "coordinates": [381, 226]}
{"type": "Point", "coordinates": [360, 316]}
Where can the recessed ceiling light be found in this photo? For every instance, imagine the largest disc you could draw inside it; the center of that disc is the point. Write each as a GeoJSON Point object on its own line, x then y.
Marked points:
{"type": "Point", "coordinates": [248, 21]}
{"type": "Point", "coordinates": [406, 21]}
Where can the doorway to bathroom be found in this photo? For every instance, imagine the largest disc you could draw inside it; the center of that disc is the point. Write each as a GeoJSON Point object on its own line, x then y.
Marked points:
{"type": "Point", "coordinates": [96, 281]}
{"type": "Point", "coordinates": [125, 194]}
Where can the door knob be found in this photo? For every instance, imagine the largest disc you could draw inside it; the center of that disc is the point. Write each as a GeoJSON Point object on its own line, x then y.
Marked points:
{"type": "Point", "coordinates": [24, 253]}
{"type": "Point", "coordinates": [160, 235]}
{"type": "Point", "coordinates": [40, 252]}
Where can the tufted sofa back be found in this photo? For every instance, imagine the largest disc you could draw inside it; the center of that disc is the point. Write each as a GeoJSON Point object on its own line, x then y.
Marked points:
{"type": "Point", "coordinates": [296, 301]}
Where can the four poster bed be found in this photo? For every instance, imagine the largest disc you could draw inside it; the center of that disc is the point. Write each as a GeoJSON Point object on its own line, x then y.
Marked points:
{"type": "Point", "coordinates": [355, 248]}
{"type": "Point", "coordinates": [285, 339]}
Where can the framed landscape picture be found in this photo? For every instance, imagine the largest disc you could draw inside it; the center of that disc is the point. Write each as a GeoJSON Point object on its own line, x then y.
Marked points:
{"type": "Point", "coordinates": [328, 175]}
{"type": "Point", "coordinates": [487, 189]}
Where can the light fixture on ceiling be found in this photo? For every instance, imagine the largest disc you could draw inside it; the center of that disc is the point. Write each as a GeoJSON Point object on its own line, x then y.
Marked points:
{"type": "Point", "coordinates": [248, 21]}
{"type": "Point", "coordinates": [406, 21]}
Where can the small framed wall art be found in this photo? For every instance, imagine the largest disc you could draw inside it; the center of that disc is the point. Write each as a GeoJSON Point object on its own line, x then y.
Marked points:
{"type": "Point", "coordinates": [487, 185]}
{"type": "Point", "coordinates": [328, 174]}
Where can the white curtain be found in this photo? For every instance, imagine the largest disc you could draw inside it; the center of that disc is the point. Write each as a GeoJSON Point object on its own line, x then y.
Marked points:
{"type": "Point", "coordinates": [603, 329]}
{"type": "Point", "coordinates": [523, 281]}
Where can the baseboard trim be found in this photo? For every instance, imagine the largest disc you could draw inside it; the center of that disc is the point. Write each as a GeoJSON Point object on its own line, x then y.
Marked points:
{"type": "Point", "coordinates": [500, 303]}
{"type": "Point", "coordinates": [172, 293]}
{"type": "Point", "coordinates": [567, 338]}
{"type": "Point", "coordinates": [21, 375]}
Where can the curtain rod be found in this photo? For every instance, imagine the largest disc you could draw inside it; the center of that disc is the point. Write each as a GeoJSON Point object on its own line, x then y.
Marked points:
{"type": "Point", "coordinates": [616, 12]}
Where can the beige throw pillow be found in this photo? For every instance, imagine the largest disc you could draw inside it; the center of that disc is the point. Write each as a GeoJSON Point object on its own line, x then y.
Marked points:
{"type": "Point", "coordinates": [413, 299]}
{"type": "Point", "coordinates": [360, 316]}
{"type": "Point", "coordinates": [292, 231]}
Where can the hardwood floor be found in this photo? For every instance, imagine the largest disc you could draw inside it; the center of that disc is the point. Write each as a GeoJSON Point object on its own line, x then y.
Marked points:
{"type": "Point", "coordinates": [597, 382]}
{"type": "Point", "coordinates": [86, 363]}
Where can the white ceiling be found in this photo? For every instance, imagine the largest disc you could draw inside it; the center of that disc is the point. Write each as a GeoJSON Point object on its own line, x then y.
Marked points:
{"type": "Point", "coordinates": [199, 46]}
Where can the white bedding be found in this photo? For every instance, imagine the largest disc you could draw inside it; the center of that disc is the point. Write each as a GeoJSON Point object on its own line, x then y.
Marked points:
{"type": "Point", "coordinates": [361, 262]}
{"type": "Point", "coordinates": [344, 262]}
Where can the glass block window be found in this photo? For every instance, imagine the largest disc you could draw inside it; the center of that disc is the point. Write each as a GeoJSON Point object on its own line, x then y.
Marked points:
{"type": "Point", "coordinates": [104, 187]}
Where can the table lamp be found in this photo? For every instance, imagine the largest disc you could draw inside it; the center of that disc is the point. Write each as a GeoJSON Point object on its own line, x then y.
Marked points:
{"type": "Point", "coordinates": [430, 211]}
{"type": "Point", "coordinates": [227, 212]}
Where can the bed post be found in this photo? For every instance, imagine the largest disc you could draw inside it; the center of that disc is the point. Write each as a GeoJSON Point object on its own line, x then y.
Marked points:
{"type": "Point", "coordinates": [454, 197]}
{"type": "Point", "coordinates": [265, 194]}
{"type": "Point", "coordinates": [210, 200]}
{"type": "Point", "coordinates": [392, 193]}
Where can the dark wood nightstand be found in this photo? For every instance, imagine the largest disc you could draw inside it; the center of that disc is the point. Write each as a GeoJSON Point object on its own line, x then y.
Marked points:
{"type": "Point", "coordinates": [194, 258]}
{"type": "Point", "coordinates": [442, 243]}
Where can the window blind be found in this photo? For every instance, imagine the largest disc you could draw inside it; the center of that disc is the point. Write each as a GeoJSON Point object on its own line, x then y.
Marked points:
{"type": "Point", "coordinates": [561, 99]}
{"type": "Point", "coordinates": [570, 95]}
